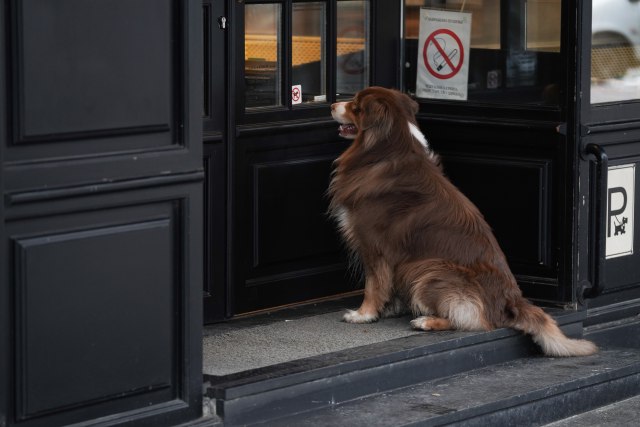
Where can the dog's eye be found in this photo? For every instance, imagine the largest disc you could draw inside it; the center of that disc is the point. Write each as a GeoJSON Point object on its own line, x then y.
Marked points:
{"type": "Point", "coordinates": [355, 109]}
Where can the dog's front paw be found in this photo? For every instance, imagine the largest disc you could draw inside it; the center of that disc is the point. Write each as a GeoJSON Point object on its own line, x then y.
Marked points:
{"type": "Point", "coordinates": [353, 316]}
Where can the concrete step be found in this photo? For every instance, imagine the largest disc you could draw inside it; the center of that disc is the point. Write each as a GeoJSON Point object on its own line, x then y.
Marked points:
{"type": "Point", "coordinates": [624, 332]}
{"type": "Point", "coordinates": [526, 392]}
{"type": "Point", "coordinates": [328, 380]}
{"type": "Point", "coordinates": [624, 413]}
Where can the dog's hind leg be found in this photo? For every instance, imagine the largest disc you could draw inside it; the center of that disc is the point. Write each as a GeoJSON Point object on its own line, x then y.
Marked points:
{"type": "Point", "coordinates": [460, 312]}
{"type": "Point", "coordinates": [431, 323]}
{"type": "Point", "coordinates": [377, 293]}
{"type": "Point", "coordinates": [448, 296]}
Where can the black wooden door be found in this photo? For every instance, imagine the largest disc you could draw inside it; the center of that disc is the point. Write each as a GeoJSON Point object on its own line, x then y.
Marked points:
{"type": "Point", "coordinates": [609, 136]}
{"type": "Point", "coordinates": [100, 139]}
{"type": "Point", "coordinates": [282, 247]}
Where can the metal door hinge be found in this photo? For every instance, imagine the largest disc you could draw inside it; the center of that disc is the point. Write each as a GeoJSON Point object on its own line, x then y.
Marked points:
{"type": "Point", "coordinates": [222, 22]}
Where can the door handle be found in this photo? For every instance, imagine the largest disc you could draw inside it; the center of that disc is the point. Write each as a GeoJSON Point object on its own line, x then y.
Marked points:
{"type": "Point", "coordinates": [598, 215]}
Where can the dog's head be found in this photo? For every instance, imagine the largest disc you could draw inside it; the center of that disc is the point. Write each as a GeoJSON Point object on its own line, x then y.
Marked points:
{"type": "Point", "coordinates": [376, 110]}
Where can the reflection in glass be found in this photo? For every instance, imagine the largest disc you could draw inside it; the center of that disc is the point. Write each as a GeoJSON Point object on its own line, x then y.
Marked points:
{"type": "Point", "coordinates": [615, 50]}
{"type": "Point", "coordinates": [514, 52]}
{"type": "Point", "coordinates": [308, 50]}
{"type": "Point", "coordinates": [352, 65]}
{"type": "Point", "coordinates": [543, 25]}
{"type": "Point", "coordinates": [262, 55]}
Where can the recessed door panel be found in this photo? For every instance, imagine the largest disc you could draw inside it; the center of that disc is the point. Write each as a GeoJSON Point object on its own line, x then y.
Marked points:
{"type": "Point", "coordinates": [95, 67]}
{"type": "Point", "coordinates": [109, 335]}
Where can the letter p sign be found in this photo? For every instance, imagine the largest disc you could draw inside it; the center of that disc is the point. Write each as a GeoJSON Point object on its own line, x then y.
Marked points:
{"type": "Point", "coordinates": [621, 199]}
{"type": "Point", "coordinates": [620, 210]}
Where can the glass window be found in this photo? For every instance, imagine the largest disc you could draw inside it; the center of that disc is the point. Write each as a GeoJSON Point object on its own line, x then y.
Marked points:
{"type": "Point", "coordinates": [308, 51]}
{"type": "Point", "coordinates": [543, 25]}
{"type": "Point", "coordinates": [484, 31]}
{"type": "Point", "coordinates": [615, 50]}
{"type": "Point", "coordinates": [514, 49]}
{"type": "Point", "coordinates": [352, 65]}
{"type": "Point", "coordinates": [287, 44]}
{"type": "Point", "coordinates": [262, 55]}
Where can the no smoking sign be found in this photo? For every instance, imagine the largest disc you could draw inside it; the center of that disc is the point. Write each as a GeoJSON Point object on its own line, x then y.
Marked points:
{"type": "Point", "coordinates": [443, 54]}
{"type": "Point", "coordinates": [443, 46]}
{"type": "Point", "coordinates": [296, 94]}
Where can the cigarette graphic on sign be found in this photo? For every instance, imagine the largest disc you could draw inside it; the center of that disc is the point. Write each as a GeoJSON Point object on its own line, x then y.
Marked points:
{"type": "Point", "coordinates": [438, 60]}
{"type": "Point", "coordinates": [441, 62]}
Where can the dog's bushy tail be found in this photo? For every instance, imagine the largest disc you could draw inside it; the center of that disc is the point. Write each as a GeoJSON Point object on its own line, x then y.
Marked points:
{"type": "Point", "coordinates": [546, 333]}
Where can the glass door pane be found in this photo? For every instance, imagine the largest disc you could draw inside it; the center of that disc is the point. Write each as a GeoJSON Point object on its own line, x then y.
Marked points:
{"type": "Point", "coordinates": [308, 66]}
{"type": "Point", "coordinates": [615, 51]}
{"type": "Point", "coordinates": [352, 65]}
{"type": "Point", "coordinates": [262, 51]}
{"type": "Point", "coordinates": [514, 50]}
{"type": "Point", "coordinates": [485, 31]}
{"type": "Point", "coordinates": [543, 25]}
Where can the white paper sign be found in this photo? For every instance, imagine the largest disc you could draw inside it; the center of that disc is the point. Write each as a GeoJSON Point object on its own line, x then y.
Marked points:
{"type": "Point", "coordinates": [620, 210]}
{"type": "Point", "coordinates": [443, 54]}
{"type": "Point", "coordinates": [296, 94]}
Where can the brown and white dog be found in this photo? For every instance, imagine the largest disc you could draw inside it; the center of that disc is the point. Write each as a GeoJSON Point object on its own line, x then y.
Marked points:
{"type": "Point", "coordinates": [423, 245]}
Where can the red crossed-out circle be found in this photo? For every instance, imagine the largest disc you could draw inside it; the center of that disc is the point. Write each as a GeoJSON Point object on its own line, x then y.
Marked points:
{"type": "Point", "coordinates": [295, 93]}
{"type": "Point", "coordinates": [432, 39]}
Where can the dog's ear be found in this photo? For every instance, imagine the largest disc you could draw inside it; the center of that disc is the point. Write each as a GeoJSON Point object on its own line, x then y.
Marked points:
{"type": "Point", "coordinates": [407, 102]}
{"type": "Point", "coordinates": [415, 107]}
{"type": "Point", "coordinates": [376, 116]}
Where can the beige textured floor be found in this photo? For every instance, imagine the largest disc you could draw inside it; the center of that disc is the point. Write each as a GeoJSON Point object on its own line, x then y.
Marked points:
{"type": "Point", "coordinates": [232, 351]}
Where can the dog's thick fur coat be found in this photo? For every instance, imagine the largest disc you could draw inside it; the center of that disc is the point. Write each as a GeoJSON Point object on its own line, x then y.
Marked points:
{"type": "Point", "coordinates": [423, 245]}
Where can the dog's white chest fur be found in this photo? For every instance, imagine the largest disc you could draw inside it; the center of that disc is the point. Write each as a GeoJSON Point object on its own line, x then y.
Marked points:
{"type": "Point", "coordinates": [417, 134]}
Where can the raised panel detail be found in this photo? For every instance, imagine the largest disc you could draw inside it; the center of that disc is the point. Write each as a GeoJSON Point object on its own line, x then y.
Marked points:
{"type": "Point", "coordinates": [514, 197]}
{"type": "Point", "coordinates": [286, 248]}
{"type": "Point", "coordinates": [96, 314]}
{"type": "Point", "coordinates": [93, 68]}
{"type": "Point", "coordinates": [290, 211]}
